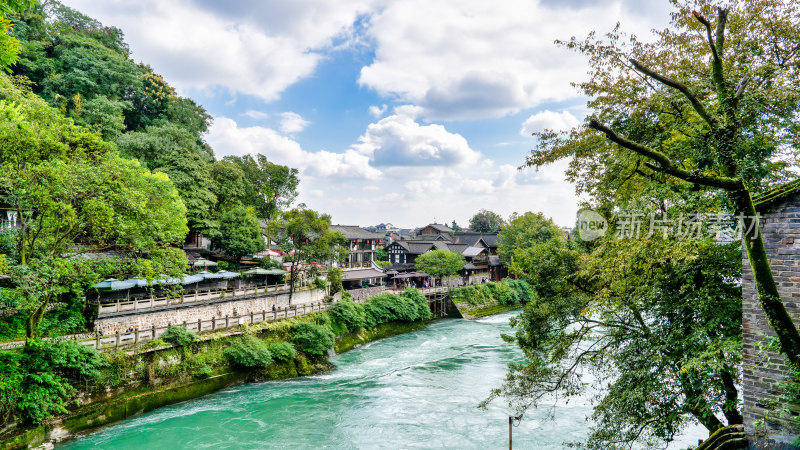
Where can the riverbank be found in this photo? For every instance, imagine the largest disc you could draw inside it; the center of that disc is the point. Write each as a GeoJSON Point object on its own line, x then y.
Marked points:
{"type": "Point", "coordinates": [161, 373]}
{"type": "Point", "coordinates": [159, 376]}
{"type": "Point", "coordinates": [127, 402]}
{"type": "Point", "coordinates": [485, 299]}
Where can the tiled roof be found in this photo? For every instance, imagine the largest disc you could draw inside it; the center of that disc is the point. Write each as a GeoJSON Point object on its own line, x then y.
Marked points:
{"type": "Point", "coordinates": [471, 252]}
{"type": "Point", "coordinates": [471, 238]}
{"type": "Point", "coordinates": [355, 232]}
{"type": "Point", "coordinates": [458, 248]}
{"type": "Point", "coordinates": [418, 248]}
{"type": "Point", "coordinates": [361, 274]}
{"type": "Point", "coordinates": [777, 195]}
{"type": "Point", "coordinates": [439, 227]}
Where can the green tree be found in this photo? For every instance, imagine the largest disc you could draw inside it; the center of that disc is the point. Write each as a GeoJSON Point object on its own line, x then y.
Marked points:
{"type": "Point", "coordinates": [103, 116]}
{"type": "Point", "coordinates": [440, 263]}
{"type": "Point", "coordinates": [230, 184]}
{"type": "Point", "coordinates": [312, 338]}
{"type": "Point", "coordinates": [239, 233]}
{"type": "Point", "coordinates": [73, 195]}
{"type": "Point", "coordinates": [176, 152]}
{"type": "Point", "coordinates": [545, 267]}
{"type": "Point", "coordinates": [35, 384]}
{"type": "Point", "coordinates": [454, 226]}
{"type": "Point", "coordinates": [657, 324]}
{"type": "Point", "coordinates": [486, 222]}
{"type": "Point", "coordinates": [272, 187]}
{"type": "Point", "coordinates": [306, 236]}
{"type": "Point", "coordinates": [524, 231]}
{"type": "Point", "coordinates": [711, 104]}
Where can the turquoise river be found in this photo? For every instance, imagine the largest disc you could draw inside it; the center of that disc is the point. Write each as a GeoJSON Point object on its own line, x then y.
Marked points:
{"type": "Point", "coordinates": [417, 390]}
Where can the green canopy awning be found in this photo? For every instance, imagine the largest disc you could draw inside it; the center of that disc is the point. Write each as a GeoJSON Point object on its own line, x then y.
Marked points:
{"type": "Point", "coordinates": [202, 262]}
{"type": "Point", "coordinates": [276, 272]}
{"type": "Point", "coordinates": [113, 284]}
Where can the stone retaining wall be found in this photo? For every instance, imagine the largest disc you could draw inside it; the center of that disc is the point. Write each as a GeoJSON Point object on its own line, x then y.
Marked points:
{"type": "Point", "coordinates": [763, 371]}
{"type": "Point", "coordinates": [360, 295]}
{"type": "Point", "coordinates": [178, 314]}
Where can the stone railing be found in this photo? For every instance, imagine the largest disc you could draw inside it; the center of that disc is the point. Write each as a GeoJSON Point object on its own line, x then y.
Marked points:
{"type": "Point", "coordinates": [133, 338]}
{"type": "Point", "coordinates": [198, 296]}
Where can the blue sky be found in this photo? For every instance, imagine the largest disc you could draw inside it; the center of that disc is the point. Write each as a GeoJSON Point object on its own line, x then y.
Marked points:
{"type": "Point", "coordinates": [394, 111]}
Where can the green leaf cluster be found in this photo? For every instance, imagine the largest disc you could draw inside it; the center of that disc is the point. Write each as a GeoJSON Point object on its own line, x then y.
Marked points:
{"type": "Point", "coordinates": [312, 338]}
{"type": "Point", "coordinates": [248, 352]}
{"type": "Point", "coordinates": [506, 292]}
{"type": "Point", "coordinates": [179, 336]}
{"type": "Point", "coordinates": [282, 351]}
{"type": "Point", "coordinates": [37, 383]}
{"type": "Point", "coordinates": [409, 306]}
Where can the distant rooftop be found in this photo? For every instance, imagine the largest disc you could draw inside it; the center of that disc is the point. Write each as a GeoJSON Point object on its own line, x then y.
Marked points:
{"type": "Point", "coordinates": [355, 232]}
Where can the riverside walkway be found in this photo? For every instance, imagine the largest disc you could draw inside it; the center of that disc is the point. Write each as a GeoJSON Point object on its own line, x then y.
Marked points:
{"type": "Point", "coordinates": [437, 298]}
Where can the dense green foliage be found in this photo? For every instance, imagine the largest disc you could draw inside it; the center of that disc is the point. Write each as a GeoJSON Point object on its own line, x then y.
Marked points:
{"type": "Point", "coordinates": [98, 153]}
{"type": "Point", "coordinates": [656, 322]}
{"type": "Point", "coordinates": [348, 313]}
{"type": "Point", "coordinates": [36, 383]}
{"type": "Point", "coordinates": [239, 233]}
{"type": "Point", "coordinates": [179, 336]}
{"type": "Point", "coordinates": [84, 70]}
{"type": "Point", "coordinates": [248, 352]}
{"type": "Point", "coordinates": [282, 351]}
{"type": "Point", "coordinates": [312, 338]}
{"type": "Point", "coordinates": [68, 186]}
{"type": "Point", "coordinates": [409, 306]}
{"type": "Point", "coordinates": [440, 263]}
{"type": "Point", "coordinates": [506, 292]}
{"type": "Point", "coordinates": [523, 231]}
{"type": "Point", "coordinates": [697, 119]}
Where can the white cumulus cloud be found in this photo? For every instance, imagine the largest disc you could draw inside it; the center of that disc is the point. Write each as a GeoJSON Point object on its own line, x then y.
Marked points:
{"type": "Point", "coordinates": [227, 138]}
{"type": "Point", "coordinates": [250, 47]}
{"type": "Point", "coordinates": [548, 120]}
{"type": "Point", "coordinates": [377, 111]}
{"type": "Point", "coordinates": [293, 123]}
{"type": "Point", "coordinates": [475, 59]}
{"type": "Point", "coordinates": [398, 140]}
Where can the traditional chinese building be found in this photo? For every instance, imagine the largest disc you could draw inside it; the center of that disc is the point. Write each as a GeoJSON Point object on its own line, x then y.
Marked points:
{"type": "Point", "coordinates": [359, 268]}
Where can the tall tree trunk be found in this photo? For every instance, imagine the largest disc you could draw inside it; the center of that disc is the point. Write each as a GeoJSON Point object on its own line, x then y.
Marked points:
{"type": "Point", "coordinates": [770, 299]}
{"type": "Point", "coordinates": [34, 319]}
{"type": "Point", "coordinates": [731, 406]}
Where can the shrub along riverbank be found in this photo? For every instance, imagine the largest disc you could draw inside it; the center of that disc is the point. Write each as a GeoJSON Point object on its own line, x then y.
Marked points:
{"type": "Point", "coordinates": [485, 299]}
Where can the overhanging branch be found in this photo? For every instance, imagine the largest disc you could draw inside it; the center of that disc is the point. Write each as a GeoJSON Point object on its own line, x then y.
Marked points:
{"type": "Point", "coordinates": [696, 104]}
{"type": "Point", "coordinates": [664, 164]}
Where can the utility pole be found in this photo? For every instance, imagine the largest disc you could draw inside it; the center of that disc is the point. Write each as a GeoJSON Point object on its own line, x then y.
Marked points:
{"type": "Point", "coordinates": [511, 420]}
{"type": "Point", "coordinates": [510, 423]}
